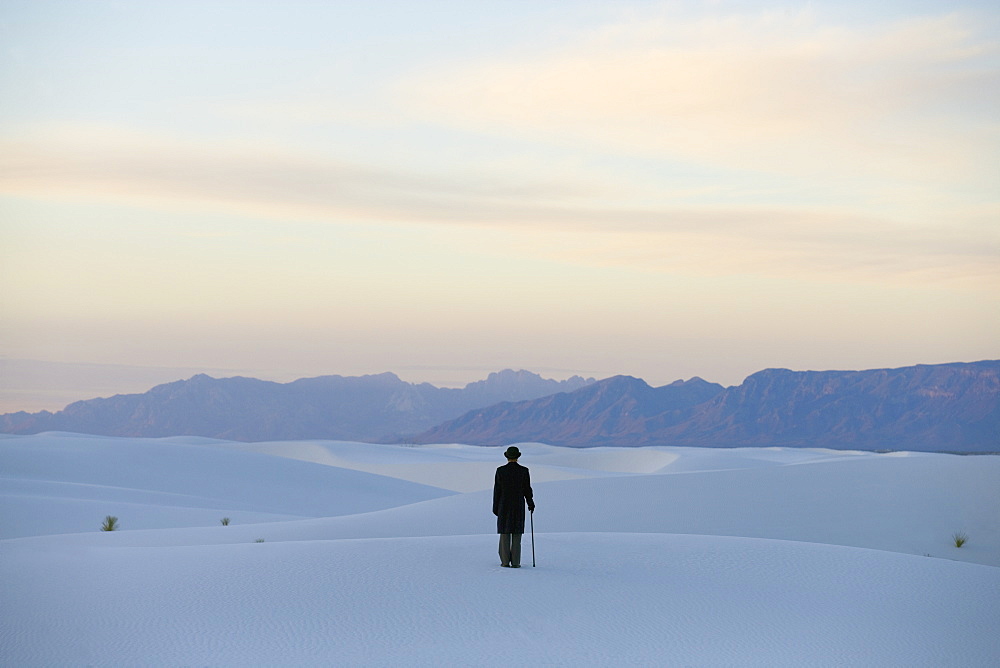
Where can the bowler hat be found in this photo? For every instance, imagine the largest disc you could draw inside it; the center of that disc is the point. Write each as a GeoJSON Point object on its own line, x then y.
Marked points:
{"type": "Point", "coordinates": [512, 453]}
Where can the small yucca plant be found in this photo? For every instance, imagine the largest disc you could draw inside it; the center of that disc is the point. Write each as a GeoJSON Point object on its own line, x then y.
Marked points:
{"type": "Point", "coordinates": [110, 523]}
{"type": "Point", "coordinates": [225, 521]}
{"type": "Point", "coordinates": [960, 538]}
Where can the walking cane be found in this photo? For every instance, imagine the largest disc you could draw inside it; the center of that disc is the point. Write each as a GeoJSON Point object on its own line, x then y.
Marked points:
{"type": "Point", "coordinates": [532, 538]}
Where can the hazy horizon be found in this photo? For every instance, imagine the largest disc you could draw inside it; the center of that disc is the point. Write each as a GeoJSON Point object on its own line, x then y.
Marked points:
{"type": "Point", "coordinates": [445, 189]}
{"type": "Point", "coordinates": [34, 386]}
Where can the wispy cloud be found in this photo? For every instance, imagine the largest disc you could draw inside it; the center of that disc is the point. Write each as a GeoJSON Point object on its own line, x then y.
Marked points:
{"type": "Point", "coordinates": [822, 149]}
{"type": "Point", "coordinates": [775, 92]}
{"type": "Point", "coordinates": [274, 180]}
{"type": "Point", "coordinates": [558, 220]}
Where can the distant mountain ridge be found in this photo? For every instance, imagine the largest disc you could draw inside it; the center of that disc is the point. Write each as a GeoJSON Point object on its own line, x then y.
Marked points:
{"type": "Point", "coordinates": [946, 407]}
{"type": "Point", "coordinates": [594, 415]}
{"type": "Point", "coordinates": [374, 408]}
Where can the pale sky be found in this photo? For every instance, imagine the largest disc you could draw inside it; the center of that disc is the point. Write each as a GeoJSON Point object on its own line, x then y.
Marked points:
{"type": "Point", "coordinates": [444, 189]}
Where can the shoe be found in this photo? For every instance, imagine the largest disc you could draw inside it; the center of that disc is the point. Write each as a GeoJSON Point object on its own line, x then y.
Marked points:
{"type": "Point", "coordinates": [517, 566]}
{"type": "Point", "coordinates": [505, 565]}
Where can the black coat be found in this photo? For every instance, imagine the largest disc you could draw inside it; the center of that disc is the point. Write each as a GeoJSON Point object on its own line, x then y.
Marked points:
{"type": "Point", "coordinates": [511, 489]}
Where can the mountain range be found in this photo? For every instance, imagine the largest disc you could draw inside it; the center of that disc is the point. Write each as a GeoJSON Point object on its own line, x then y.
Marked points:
{"type": "Point", "coordinates": [374, 408]}
{"type": "Point", "coordinates": [945, 407]}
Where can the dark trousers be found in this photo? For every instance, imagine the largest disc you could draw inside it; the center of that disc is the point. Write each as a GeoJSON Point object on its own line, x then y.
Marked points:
{"type": "Point", "coordinates": [510, 549]}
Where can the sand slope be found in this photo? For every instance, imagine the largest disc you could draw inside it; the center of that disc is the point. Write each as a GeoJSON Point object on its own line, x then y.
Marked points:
{"type": "Point", "coordinates": [645, 557]}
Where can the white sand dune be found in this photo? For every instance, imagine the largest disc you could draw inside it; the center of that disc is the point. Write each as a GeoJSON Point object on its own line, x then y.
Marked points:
{"type": "Point", "coordinates": [56, 483]}
{"type": "Point", "coordinates": [596, 599]}
{"type": "Point", "coordinates": [454, 467]}
{"type": "Point", "coordinates": [652, 556]}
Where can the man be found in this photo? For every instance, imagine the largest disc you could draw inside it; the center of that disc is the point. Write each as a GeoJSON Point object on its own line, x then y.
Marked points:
{"type": "Point", "coordinates": [511, 489]}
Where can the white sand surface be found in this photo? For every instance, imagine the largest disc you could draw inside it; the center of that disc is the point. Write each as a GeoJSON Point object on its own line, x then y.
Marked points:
{"type": "Point", "coordinates": [57, 483]}
{"type": "Point", "coordinates": [651, 556]}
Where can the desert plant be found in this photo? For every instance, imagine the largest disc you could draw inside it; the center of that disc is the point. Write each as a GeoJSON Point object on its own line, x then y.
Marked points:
{"type": "Point", "coordinates": [110, 523]}
{"type": "Point", "coordinates": [225, 521]}
{"type": "Point", "coordinates": [960, 538]}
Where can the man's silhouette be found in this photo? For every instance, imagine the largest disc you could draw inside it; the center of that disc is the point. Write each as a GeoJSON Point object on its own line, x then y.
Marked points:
{"type": "Point", "coordinates": [511, 489]}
